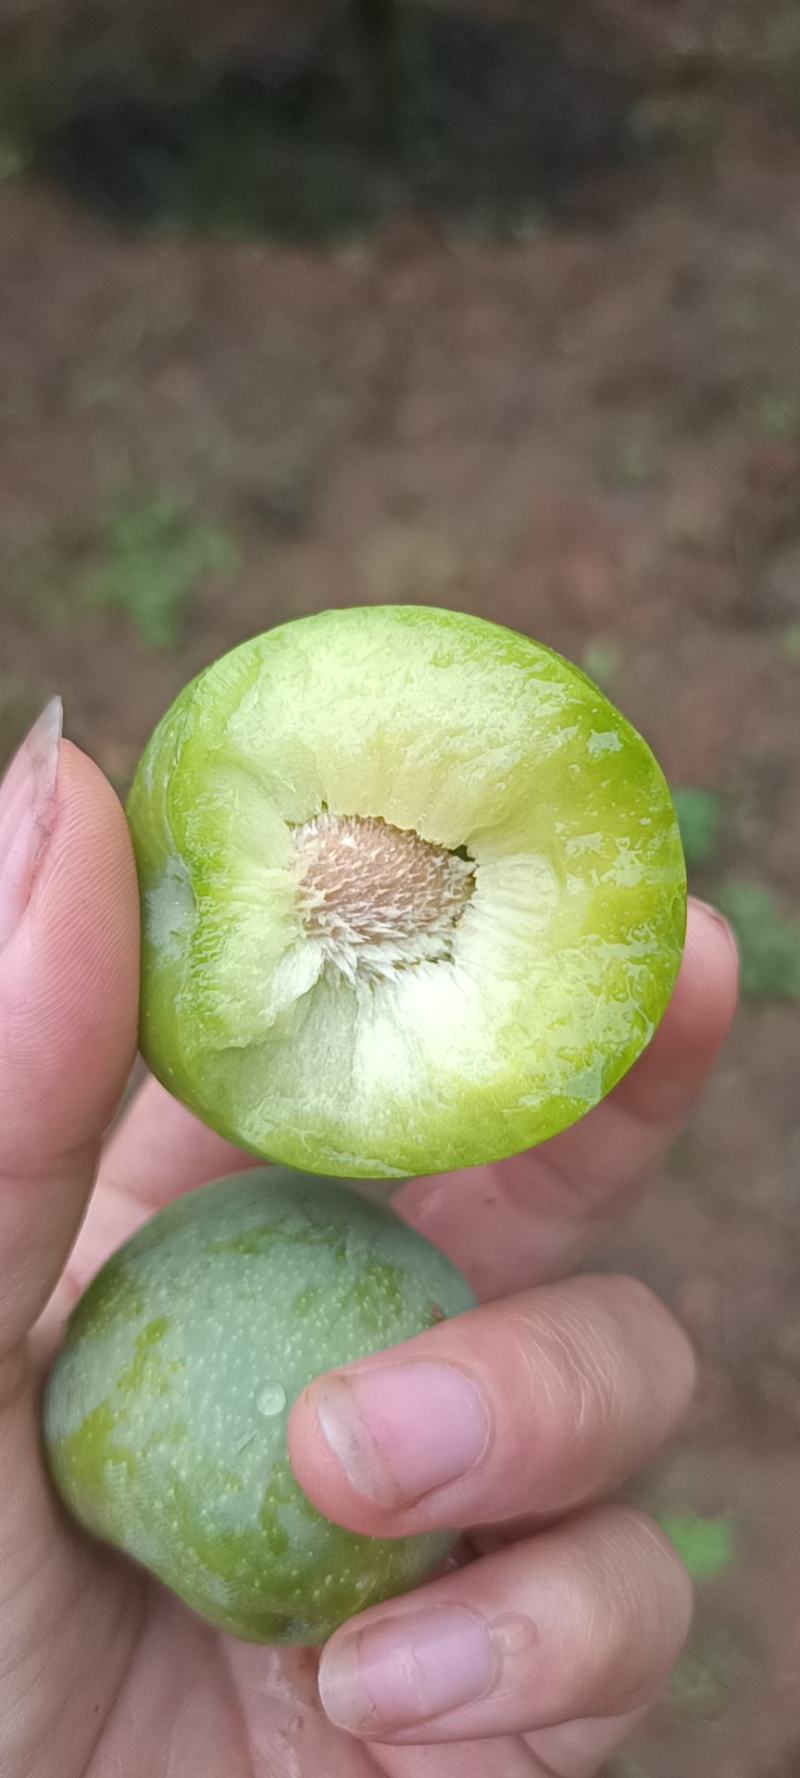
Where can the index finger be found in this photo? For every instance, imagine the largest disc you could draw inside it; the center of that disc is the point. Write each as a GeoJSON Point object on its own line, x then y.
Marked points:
{"type": "Point", "coordinates": [531, 1219]}
{"type": "Point", "coordinates": [521, 1222]}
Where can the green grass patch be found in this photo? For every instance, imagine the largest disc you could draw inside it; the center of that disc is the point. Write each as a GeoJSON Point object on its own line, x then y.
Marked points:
{"type": "Point", "coordinates": [706, 1546]}
{"type": "Point", "coordinates": [769, 940]}
{"type": "Point", "coordinates": [156, 552]}
{"type": "Point", "coordinates": [699, 819]}
{"type": "Point", "coordinates": [633, 464]}
{"type": "Point", "coordinates": [708, 1674]}
{"type": "Point", "coordinates": [775, 414]}
{"type": "Point", "coordinates": [601, 661]}
{"type": "Point", "coordinates": [13, 159]}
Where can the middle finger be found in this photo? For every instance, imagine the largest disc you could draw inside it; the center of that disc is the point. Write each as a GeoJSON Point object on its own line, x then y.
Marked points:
{"type": "Point", "coordinates": [528, 1407]}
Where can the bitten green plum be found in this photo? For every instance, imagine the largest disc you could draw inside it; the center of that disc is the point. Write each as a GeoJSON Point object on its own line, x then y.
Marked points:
{"type": "Point", "coordinates": [166, 1410]}
{"type": "Point", "coordinates": [413, 893]}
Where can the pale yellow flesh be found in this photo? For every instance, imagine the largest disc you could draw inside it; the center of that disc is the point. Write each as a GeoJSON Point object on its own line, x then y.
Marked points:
{"type": "Point", "coordinates": [419, 1048]}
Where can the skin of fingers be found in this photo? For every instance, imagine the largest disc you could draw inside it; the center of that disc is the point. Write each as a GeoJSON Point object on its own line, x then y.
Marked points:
{"type": "Point", "coordinates": [533, 1218]}
{"type": "Point", "coordinates": [161, 1149]}
{"type": "Point", "coordinates": [580, 1749]}
{"type": "Point", "coordinates": [583, 1621]}
{"type": "Point", "coordinates": [100, 998]}
{"type": "Point", "coordinates": [178, 1140]}
{"type": "Point", "coordinates": [530, 1406]}
{"type": "Point", "coordinates": [68, 995]}
{"type": "Point", "coordinates": [509, 1756]}
{"type": "Point", "coordinates": [158, 1151]}
{"type": "Point", "coordinates": [68, 990]}
{"type": "Point", "coordinates": [523, 1221]}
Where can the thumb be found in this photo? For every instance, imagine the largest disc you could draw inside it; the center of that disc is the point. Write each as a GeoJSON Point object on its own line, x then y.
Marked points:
{"type": "Point", "coordinates": [68, 1002]}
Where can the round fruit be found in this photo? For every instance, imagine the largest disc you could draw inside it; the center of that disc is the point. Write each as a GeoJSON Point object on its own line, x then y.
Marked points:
{"type": "Point", "coordinates": [413, 893]}
{"type": "Point", "coordinates": [165, 1414]}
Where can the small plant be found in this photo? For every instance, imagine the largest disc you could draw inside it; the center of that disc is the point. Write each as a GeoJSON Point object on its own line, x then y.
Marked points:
{"type": "Point", "coordinates": [156, 553]}
{"type": "Point", "coordinates": [706, 1546]}
{"type": "Point", "coordinates": [698, 813]}
{"type": "Point", "coordinates": [769, 942]}
{"type": "Point", "coordinates": [12, 159]}
{"type": "Point", "coordinates": [633, 465]}
{"type": "Point", "coordinates": [775, 414]}
{"type": "Point", "coordinates": [705, 1678]}
{"type": "Point", "coordinates": [601, 662]}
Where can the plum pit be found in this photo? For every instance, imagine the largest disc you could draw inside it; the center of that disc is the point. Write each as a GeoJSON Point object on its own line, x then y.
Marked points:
{"type": "Point", "coordinates": [376, 897]}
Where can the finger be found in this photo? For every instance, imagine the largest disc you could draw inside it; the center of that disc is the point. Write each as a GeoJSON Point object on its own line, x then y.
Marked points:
{"type": "Point", "coordinates": [576, 1627]}
{"type": "Point", "coordinates": [512, 1756]}
{"type": "Point", "coordinates": [508, 1755]}
{"type": "Point", "coordinates": [530, 1406]}
{"type": "Point", "coordinates": [68, 989]}
{"type": "Point", "coordinates": [161, 1150]}
{"type": "Point", "coordinates": [68, 994]}
{"type": "Point", "coordinates": [158, 1151]}
{"type": "Point", "coordinates": [533, 1218]}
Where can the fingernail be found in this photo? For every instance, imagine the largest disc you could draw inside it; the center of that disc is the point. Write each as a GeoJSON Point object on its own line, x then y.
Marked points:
{"type": "Point", "coordinates": [406, 1668]}
{"type": "Point", "coordinates": [400, 1430]}
{"type": "Point", "coordinates": [27, 812]}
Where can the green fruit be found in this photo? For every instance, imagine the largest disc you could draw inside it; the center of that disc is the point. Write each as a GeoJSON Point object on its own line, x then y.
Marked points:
{"type": "Point", "coordinates": [413, 893]}
{"type": "Point", "coordinates": [165, 1414]}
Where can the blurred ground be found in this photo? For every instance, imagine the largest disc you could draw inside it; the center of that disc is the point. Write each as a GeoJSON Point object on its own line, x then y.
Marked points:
{"type": "Point", "coordinates": [581, 417]}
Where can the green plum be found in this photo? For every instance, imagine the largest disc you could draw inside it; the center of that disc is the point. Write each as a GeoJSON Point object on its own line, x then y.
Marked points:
{"type": "Point", "coordinates": [413, 892]}
{"type": "Point", "coordinates": [166, 1410]}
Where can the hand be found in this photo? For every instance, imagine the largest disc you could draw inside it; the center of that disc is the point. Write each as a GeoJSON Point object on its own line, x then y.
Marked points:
{"type": "Point", "coordinates": [517, 1420]}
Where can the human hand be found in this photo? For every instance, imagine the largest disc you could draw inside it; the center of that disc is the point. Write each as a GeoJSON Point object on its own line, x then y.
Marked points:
{"type": "Point", "coordinates": [559, 1631]}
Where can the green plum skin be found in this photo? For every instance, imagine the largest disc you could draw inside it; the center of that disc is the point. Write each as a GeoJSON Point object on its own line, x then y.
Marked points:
{"type": "Point", "coordinates": [166, 1410]}
{"type": "Point", "coordinates": [474, 737]}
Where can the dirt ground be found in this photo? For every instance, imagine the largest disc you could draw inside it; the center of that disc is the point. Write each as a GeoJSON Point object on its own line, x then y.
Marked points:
{"type": "Point", "coordinates": [588, 429]}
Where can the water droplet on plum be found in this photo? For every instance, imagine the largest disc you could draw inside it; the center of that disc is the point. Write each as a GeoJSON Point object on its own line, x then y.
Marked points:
{"type": "Point", "coordinates": [271, 1399]}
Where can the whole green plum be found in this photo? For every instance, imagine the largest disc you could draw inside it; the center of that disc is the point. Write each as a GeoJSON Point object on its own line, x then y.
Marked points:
{"type": "Point", "coordinates": [166, 1410]}
{"type": "Point", "coordinates": [413, 893]}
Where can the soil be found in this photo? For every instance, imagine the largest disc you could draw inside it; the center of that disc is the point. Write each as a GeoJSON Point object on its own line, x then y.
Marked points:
{"type": "Point", "coordinates": [584, 423]}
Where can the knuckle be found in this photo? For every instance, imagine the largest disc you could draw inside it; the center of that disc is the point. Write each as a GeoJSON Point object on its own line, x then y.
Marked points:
{"type": "Point", "coordinates": [569, 1370]}
{"type": "Point", "coordinates": [591, 1369]}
